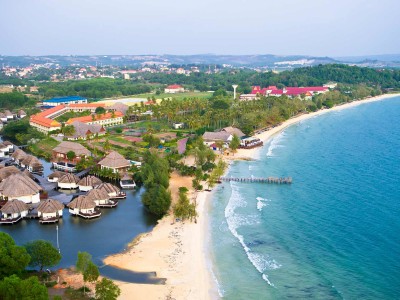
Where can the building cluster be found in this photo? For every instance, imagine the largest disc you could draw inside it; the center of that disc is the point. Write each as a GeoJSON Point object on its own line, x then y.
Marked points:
{"type": "Point", "coordinates": [291, 92]}
{"type": "Point", "coordinates": [93, 124]}
{"type": "Point", "coordinates": [7, 116]}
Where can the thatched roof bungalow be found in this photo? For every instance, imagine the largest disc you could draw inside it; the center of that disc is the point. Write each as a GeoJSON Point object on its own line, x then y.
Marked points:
{"type": "Point", "coordinates": [112, 190]}
{"type": "Point", "coordinates": [7, 171]}
{"type": "Point", "coordinates": [89, 182]}
{"type": "Point", "coordinates": [68, 182]}
{"type": "Point", "coordinates": [101, 198]}
{"type": "Point", "coordinates": [84, 131]}
{"type": "Point", "coordinates": [32, 164]}
{"type": "Point", "coordinates": [84, 207]}
{"type": "Point", "coordinates": [18, 186]}
{"type": "Point", "coordinates": [60, 152]}
{"type": "Point", "coordinates": [55, 176]}
{"type": "Point", "coordinates": [18, 156]}
{"type": "Point", "coordinates": [50, 210]}
{"type": "Point", "coordinates": [13, 211]}
{"type": "Point", "coordinates": [116, 162]}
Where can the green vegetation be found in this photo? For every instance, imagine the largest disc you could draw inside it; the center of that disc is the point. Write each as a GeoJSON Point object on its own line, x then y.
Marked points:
{"type": "Point", "coordinates": [216, 173]}
{"type": "Point", "coordinates": [87, 268]}
{"type": "Point", "coordinates": [43, 254]}
{"type": "Point", "coordinates": [13, 259]}
{"type": "Point", "coordinates": [71, 114]}
{"type": "Point", "coordinates": [309, 76]}
{"type": "Point", "coordinates": [155, 175]}
{"type": "Point", "coordinates": [71, 155]}
{"type": "Point", "coordinates": [184, 209]}
{"type": "Point", "coordinates": [106, 289]}
{"type": "Point", "coordinates": [21, 132]}
{"type": "Point", "coordinates": [12, 288]}
{"type": "Point", "coordinates": [15, 100]}
{"type": "Point", "coordinates": [94, 88]}
{"type": "Point", "coordinates": [235, 143]}
{"type": "Point", "coordinates": [100, 110]}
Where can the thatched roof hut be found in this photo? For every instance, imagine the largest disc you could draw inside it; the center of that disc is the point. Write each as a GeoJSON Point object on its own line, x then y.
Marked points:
{"type": "Point", "coordinates": [7, 171]}
{"type": "Point", "coordinates": [18, 186]}
{"type": "Point", "coordinates": [97, 195]}
{"type": "Point", "coordinates": [64, 147]}
{"type": "Point", "coordinates": [18, 155]}
{"type": "Point", "coordinates": [50, 208]}
{"type": "Point", "coordinates": [55, 176]}
{"type": "Point", "coordinates": [115, 161]}
{"type": "Point", "coordinates": [32, 163]}
{"type": "Point", "coordinates": [84, 207]}
{"type": "Point", "coordinates": [82, 202]}
{"type": "Point", "coordinates": [14, 207]}
{"type": "Point", "coordinates": [28, 174]}
{"type": "Point", "coordinates": [89, 182]}
{"type": "Point", "coordinates": [68, 178]}
{"type": "Point", "coordinates": [111, 189]}
{"type": "Point", "coordinates": [13, 211]}
{"type": "Point", "coordinates": [68, 181]}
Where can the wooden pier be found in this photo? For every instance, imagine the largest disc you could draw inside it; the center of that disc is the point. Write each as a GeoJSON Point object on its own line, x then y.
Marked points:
{"type": "Point", "coordinates": [278, 180]}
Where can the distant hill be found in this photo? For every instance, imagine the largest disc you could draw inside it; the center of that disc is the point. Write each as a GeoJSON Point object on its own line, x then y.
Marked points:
{"type": "Point", "coordinates": [256, 61]}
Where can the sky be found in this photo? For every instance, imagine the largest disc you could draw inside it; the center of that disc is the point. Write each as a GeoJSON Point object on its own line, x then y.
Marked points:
{"type": "Point", "coordinates": [282, 27]}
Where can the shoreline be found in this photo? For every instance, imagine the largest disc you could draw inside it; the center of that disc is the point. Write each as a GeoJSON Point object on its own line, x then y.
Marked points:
{"type": "Point", "coordinates": [251, 154]}
{"type": "Point", "coordinates": [180, 252]}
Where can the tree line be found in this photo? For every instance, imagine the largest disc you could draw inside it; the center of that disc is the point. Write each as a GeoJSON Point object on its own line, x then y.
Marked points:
{"type": "Point", "coordinates": [17, 283]}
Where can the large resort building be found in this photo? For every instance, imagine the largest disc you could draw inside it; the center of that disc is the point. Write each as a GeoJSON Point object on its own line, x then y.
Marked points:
{"type": "Point", "coordinates": [45, 120]}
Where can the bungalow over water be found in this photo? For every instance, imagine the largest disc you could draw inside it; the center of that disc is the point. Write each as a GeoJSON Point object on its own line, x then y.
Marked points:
{"type": "Point", "coordinates": [13, 211]}
{"type": "Point", "coordinates": [101, 198]}
{"type": "Point", "coordinates": [115, 162]}
{"type": "Point", "coordinates": [68, 182]}
{"type": "Point", "coordinates": [8, 171]}
{"type": "Point", "coordinates": [84, 207]}
{"type": "Point", "coordinates": [112, 191]}
{"type": "Point", "coordinates": [18, 156]}
{"type": "Point", "coordinates": [89, 182]}
{"type": "Point", "coordinates": [55, 176]}
{"type": "Point", "coordinates": [32, 164]}
{"type": "Point", "coordinates": [19, 186]}
{"type": "Point", "coordinates": [49, 211]}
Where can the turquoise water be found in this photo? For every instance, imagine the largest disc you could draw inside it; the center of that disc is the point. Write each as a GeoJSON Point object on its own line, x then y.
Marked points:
{"type": "Point", "coordinates": [335, 232]}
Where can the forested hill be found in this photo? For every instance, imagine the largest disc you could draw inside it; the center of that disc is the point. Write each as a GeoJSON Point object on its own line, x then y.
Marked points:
{"type": "Point", "coordinates": [309, 76]}
{"type": "Point", "coordinates": [142, 82]}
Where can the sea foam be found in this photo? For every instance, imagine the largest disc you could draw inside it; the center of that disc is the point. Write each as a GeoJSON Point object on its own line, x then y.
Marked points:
{"type": "Point", "coordinates": [234, 221]}
{"type": "Point", "coordinates": [275, 143]}
{"type": "Point", "coordinates": [261, 202]}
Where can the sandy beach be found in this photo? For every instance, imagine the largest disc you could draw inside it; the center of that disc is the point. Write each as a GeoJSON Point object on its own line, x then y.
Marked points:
{"type": "Point", "coordinates": [177, 251]}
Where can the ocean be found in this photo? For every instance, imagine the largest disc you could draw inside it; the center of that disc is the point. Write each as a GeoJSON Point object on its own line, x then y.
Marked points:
{"type": "Point", "coordinates": [335, 232]}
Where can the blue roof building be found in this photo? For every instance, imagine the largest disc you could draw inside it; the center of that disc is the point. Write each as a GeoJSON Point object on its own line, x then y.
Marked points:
{"type": "Point", "coordinates": [64, 100]}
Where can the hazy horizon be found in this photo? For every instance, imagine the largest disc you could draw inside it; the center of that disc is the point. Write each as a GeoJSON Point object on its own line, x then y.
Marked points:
{"type": "Point", "coordinates": [123, 27]}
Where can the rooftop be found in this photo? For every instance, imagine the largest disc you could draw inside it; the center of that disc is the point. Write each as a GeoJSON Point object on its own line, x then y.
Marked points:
{"type": "Point", "coordinates": [64, 99]}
